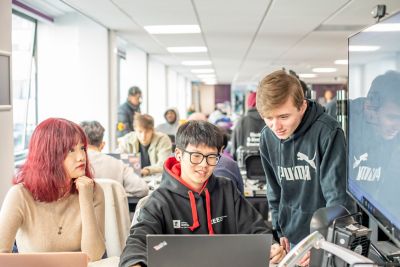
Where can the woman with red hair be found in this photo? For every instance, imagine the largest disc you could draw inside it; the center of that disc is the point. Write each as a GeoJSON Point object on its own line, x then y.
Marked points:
{"type": "Point", "coordinates": [54, 204]}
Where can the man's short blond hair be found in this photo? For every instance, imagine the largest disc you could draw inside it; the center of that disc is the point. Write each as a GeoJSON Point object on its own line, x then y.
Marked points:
{"type": "Point", "coordinates": [144, 121]}
{"type": "Point", "coordinates": [275, 89]}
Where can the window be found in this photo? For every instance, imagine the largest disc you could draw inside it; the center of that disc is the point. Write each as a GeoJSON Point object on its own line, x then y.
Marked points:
{"type": "Point", "coordinates": [23, 82]}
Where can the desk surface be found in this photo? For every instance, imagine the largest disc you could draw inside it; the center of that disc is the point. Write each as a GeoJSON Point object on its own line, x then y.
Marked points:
{"type": "Point", "coordinates": [114, 261]}
{"type": "Point", "coordinates": [108, 262]}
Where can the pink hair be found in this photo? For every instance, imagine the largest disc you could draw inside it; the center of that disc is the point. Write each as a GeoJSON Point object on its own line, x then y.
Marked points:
{"type": "Point", "coordinates": [43, 173]}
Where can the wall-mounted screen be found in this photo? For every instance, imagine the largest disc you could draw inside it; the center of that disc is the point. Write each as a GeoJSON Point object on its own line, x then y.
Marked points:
{"type": "Point", "coordinates": [5, 80]}
{"type": "Point", "coordinates": [374, 122]}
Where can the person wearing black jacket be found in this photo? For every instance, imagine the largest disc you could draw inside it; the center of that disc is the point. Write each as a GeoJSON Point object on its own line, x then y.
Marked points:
{"type": "Point", "coordinates": [303, 153]}
{"type": "Point", "coordinates": [248, 128]}
{"type": "Point", "coordinates": [191, 200]}
{"type": "Point", "coordinates": [126, 111]}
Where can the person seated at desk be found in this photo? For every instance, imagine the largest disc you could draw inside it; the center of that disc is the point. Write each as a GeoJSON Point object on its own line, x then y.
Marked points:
{"type": "Point", "coordinates": [54, 204]}
{"type": "Point", "coordinates": [192, 194]}
{"type": "Point", "coordinates": [171, 125]}
{"type": "Point", "coordinates": [229, 168]}
{"type": "Point", "coordinates": [105, 166]}
{"type": "Point", "coordinates": [154, 147]}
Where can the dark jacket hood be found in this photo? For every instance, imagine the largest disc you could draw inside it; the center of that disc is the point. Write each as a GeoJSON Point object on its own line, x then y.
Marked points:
{"type": "Point", "coordinates": [172, 181]}
{"type": "Point", "coordinates": [253, 113]}
{"type": "Point", "coordinates": [312, 113]}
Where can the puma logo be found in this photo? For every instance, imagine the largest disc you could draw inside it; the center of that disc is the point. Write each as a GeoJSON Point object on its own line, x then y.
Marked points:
{"type": "Point", "coordinates": [301, 156]}
{"type": "Point", "coordinates": [357, 162]}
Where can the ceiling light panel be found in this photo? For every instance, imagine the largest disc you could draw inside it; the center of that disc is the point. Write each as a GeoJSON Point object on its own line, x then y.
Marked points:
{"type": "Point", "coordinates": [324, 70]}
{"type": "Point", "coordinates": [341, 62]}
{"type": "Point", "coordinates": [363, 48]}
{"type": "Point", "coordinates": [307, 75]}
{"type": "Point", "coordinates": [172, 29]}
{"type": "Point", "coordinates": [196, 63]}
{"type": "Point", "coordinates": [202, 71]}
{"type": "Point", "coordinates": [187, 49]}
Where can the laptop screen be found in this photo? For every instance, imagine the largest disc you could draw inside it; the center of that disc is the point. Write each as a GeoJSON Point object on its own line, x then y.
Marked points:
{"type": "Point", "coordinates": [208, 250]}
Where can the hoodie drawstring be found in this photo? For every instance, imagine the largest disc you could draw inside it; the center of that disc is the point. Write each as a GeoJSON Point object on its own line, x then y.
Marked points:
{"type": "Point", "coordinates": [208, 209]}
{"type": "Point", "coordinates": [194, 212]}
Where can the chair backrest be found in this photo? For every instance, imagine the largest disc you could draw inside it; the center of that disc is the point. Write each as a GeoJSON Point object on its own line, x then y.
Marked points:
{"type": "Point", "coordinates": [254, 168]}
{"type": "Point", "coordinates": [117, 220]}
{"type": "Point", "coordinates": [139, 205]}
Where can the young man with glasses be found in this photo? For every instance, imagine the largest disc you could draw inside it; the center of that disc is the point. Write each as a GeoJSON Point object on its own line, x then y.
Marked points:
{"type": "Point", "coordinates": [191, 200]}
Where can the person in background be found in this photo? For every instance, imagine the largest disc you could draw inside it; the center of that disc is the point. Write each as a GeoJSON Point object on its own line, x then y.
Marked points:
{"type": "Point", "coordinates": [330, 107]}
{"type": "Point", "coordinates": [105, 166]}
{"type": "Point", "coordinates": [191, 193]}
{"type": "Point", "coordinates": [171, 125]}
{"type": "Point", "coordinates": [197, 116]}
{"type": "Point", "coordinates": [248, 128]}
{"type": "Point", "coordinates": [154, 147]}
{"type": "Point", "coordinates": [303, 152]}
{"type": "Point", "coordinates": [54, 204]}
{"type": "Point", "coordinates": [229, 168]}
{"type": "Point", "coordinates": [126, 111]}
{"type": "Point", "coordinates": [190, 110]}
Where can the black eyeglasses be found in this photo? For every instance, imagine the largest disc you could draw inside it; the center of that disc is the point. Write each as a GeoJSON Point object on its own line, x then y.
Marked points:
{"type": "Point", "coordinates": [197, 157]}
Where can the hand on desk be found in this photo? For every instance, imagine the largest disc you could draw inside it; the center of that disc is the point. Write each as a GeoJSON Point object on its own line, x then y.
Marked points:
{"type": "Point", "coordinates": [145, 172]}
{"type": "Point", "coordinates": [277, 253]}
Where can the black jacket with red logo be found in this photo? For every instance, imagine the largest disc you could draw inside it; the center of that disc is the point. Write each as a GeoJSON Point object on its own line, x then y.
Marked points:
{"type": "Point", "coordinates": [174, 208]}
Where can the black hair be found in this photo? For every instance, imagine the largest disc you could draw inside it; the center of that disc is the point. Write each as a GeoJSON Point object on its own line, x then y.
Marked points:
{"type": "Point", "coordinates": [199, 133]}
{"type": "Point", "coordinates": [134, 90]}
{"type": "Point", "coordinates": [94, 131]}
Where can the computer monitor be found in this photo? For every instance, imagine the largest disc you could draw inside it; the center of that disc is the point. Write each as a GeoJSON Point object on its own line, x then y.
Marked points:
{"type": "Point", "coordinates": [374, 123]}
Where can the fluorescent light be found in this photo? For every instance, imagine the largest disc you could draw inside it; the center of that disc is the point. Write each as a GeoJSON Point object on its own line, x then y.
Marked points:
{"type": "Point", "coordinates": [341, 62]}
{"type": "Point", "coordinates": [187, 49]}
{"type": "Point", "coordinates": [202, 71]}
{"type": "Point", "coordinates": [384, 27]}
{"type": "Point", "coordinates": [172, 29]}
{"type": "Point", "coordinates": [363, 48]}
{"type": "Point", "coordinates": [307, 75]}
{"type": "Point", "coordinates": [324, 70]}
{"type": "Point", "coordinates": [196, 63]}
{"type": "Point", "coordinates": [206, 76]}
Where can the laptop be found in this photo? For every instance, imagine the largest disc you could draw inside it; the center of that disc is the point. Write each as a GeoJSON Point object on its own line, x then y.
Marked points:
{"type": "Point", "coordinates": [44, 259]}
{"type": "Point", "coordinates": [133, 160]}
{"type": "Point", "coordinates": [208, 250]}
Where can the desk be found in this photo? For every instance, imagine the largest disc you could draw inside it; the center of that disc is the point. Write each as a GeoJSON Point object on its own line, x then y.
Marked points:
{"type": "Point", "coordinates": [114, 261]}
{"type": "Point", "coordinates": [108, 262]}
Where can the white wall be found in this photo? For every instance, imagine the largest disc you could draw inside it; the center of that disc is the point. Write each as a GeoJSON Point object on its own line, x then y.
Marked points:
{"type": "Point", "coordinates": [135, 74]}
{"type": "Point", "coordinates": [157, 94]}
{"type": "Point", "coordinates": [73, 70]}
{"type": "Point", "coordinates": [6, 118]}
{"type": "Point", "coordinates": [173, 95]}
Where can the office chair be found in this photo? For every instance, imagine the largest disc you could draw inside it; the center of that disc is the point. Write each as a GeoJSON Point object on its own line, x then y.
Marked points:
{"type": "Point", "coordinates": [250, 161]}
{"type": "Point", "coordinates": [117, 220]}
{"type": "Point", "coordinates": [139, 205]}
{"type": "Point", "coordinates": [254, 168]}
